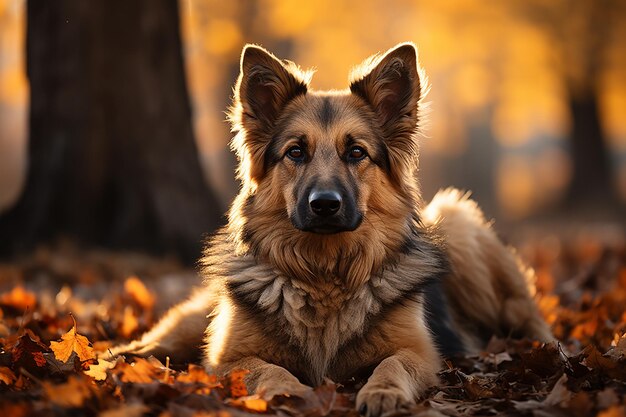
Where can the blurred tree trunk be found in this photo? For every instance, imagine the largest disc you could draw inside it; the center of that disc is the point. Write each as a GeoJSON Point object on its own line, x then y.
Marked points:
{"type": "Point", "coordinates": [592, 180]}
{"type": "Point", "coordinates": [112, 159]}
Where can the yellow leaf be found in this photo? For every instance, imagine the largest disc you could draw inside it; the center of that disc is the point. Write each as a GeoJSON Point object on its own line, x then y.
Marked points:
{"type": "Point", "coordinates": [99, 371]}
{"type": "Point", "coordinates": [72, 342]}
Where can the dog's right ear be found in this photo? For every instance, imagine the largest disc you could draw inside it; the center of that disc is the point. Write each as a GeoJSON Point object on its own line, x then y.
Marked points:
{"type": "Point", "coordinates": [265, 86]}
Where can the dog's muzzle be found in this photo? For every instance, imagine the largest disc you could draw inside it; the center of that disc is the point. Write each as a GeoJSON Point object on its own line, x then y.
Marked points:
{"type": "Point", "coordinates": [326, 211]}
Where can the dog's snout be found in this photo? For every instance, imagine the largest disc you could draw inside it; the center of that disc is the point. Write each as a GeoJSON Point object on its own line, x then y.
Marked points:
{"type": "Point", "coordinates": [326, 210]}
{"type": "Point", "coordinates": [325, 202]}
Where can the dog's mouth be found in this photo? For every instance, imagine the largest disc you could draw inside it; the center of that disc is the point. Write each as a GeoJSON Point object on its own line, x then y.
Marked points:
{"type": "Point", "coordinates": [328, 227]}
{"type": "Point", "coordinates": [327, 230]}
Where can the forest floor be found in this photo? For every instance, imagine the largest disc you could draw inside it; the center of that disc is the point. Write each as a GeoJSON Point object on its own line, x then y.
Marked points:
{"type": "Point", "coordinates": [59, 305]}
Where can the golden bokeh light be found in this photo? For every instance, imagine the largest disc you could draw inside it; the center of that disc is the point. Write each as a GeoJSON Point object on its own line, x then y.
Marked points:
{"type": "Point", "coordinates": [501, 77]}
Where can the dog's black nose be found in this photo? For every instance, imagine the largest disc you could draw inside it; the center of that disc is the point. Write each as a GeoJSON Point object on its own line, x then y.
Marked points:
{"type": "Point", "coordinates": [325, 203]}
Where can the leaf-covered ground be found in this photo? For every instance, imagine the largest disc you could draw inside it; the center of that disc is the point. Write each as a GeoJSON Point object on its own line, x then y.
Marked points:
{"type": "Point", "coordinates": [57, 307]}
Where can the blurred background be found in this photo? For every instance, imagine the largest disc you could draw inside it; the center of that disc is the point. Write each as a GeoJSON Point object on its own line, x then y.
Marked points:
{"type": "Point", "coordinates": [106, 107]}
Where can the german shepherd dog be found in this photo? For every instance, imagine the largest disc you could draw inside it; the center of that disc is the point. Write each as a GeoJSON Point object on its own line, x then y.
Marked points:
{"type": "Point", "coordinates": [331, 266]}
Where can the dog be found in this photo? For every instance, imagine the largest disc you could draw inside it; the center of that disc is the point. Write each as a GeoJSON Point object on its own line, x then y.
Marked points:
{"type": "Point", "coordinates": [331, 265]}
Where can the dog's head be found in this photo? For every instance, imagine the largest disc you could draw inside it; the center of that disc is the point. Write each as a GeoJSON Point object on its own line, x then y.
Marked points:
{"type": "Point", "coordinates": [327, 160]}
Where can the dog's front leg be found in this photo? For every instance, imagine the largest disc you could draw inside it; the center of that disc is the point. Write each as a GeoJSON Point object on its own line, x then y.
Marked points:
{"type": "Point", "coordinates": [267, 379]}
{"type": "Point", "coordinates": [397, 382]}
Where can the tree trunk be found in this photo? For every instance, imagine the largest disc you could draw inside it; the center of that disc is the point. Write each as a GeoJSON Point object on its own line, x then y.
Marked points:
{"type": "Point", "coordinates": [112, 159]}
{"type": "Point", "coordinates": [592, 181]}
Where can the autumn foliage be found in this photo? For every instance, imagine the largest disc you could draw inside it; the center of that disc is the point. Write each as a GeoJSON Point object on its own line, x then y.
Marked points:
{"type": "Point", "coordinates": [54, 338]}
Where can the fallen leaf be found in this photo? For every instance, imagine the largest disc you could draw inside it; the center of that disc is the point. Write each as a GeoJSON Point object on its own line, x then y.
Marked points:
{"type": "Point", "coordinates": [140, 371]}
{"type": "Point", "coordinates": [64, 367]}
{"type": "Point", "coordinates": [615, 411]}
{"type": "Point", "coordinates": [28, 351]}
{"type": "Point", "coordinates": [559, 395]}
{"type": "Point", "coordinates": [17, 410]}
{"type": "Point", "coordinates": [129, 322]}
{"type": "Point", "coordinates": [139, 293]}
{"type": "Point", "coordinates": [126, 410]}
{"type": "Point", "coordinates": [6, 375]}
{"type": "Point", "coordinates": [99, 371]}
{"type": "Point", "coordinates": [19, 298]}
{"type": "Point", "coordinates": [197, 374]}
{"type": "Point", "coordinates": [72, 342]}
{"type": "Point", "coordinates": [252, 403]}
{"type": "Point", "coordinates": [71, 394]}
{"type": "Point", "coordinates": [237, 384]}
{"type": "Point", "coordinates": [605, 363]}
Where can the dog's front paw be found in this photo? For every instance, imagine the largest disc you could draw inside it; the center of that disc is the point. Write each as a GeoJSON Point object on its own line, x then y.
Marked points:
{"type": "Point", "coordinates": [288, 388]}
{"type": "Point", "coordinates": [375, 401]}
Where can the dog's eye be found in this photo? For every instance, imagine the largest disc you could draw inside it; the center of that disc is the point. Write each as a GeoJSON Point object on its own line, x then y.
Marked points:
{"type": "Point", "coordinates": [295, 153]}
{"type": "Point", "coordinates": [356, 153]}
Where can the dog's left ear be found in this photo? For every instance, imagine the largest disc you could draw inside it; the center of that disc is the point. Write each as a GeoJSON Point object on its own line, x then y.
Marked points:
{"type": "Point", "coordinates": [391, 84]}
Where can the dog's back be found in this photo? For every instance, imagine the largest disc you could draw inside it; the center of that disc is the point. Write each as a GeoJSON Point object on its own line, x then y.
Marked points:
{"type": "Point", "coordinates": [489, 291]}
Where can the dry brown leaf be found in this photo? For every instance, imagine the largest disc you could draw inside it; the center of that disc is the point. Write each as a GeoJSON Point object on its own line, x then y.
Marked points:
{"type": "Point", "coordinates": [19, 298]}
{"type": "Point", "coordinates": [99, 371]}
{"type": "Point", "coordinates": [71, 394]}
{"type": "Point", "coordinates": [596, 360]}
{"type": "Point", "coordinates": [72, 342]}
{"type": "Point", "coordinates": [559, 395]}
{"type": "Point", "coordinates": [6, 375]}
{"type": "Point", "coordinates": [28, 351]}
{"type": "Point", "coordinates": [139, 293]}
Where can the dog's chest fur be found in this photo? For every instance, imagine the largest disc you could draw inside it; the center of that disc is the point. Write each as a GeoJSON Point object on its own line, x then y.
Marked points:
{"type": "Point", "coordinates": [320, 317]}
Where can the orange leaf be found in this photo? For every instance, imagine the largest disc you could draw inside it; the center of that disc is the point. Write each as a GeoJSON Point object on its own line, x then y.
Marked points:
{"type": "Point", "coordinates": [237, 383]}
{"type": "Point", "coordinates": [6, 375]}
{"type": "Point", "coordinates": [254, 403]}
{"type": "Point", "coordinates": [140, 371]}
{"type": "Point", "coordinates": [138, 291]}
{"type": "Point", "coordinates": [19, 298]}
{"type": "Point", "coordinates": [197, 374]}
{"type": "Point", "coordinates": [615, 411]}
{"type": "Point", "coordinates": [72, 342]}
{"type": "Point", "coordinates": [129, 323]}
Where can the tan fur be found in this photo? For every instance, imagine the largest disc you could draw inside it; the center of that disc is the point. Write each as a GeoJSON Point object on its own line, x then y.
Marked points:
{"type": "Point", "coordinates": [295, 307]}
{"type": "Point", "coordinates": [489, 288]}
